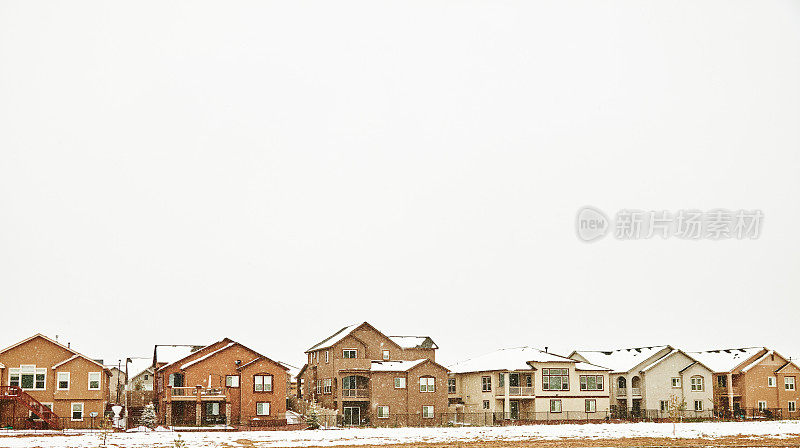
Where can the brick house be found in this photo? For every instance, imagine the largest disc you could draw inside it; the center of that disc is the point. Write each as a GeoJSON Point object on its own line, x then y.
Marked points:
{"type": "Point", "coordinates": [45, 384]}
{"type": "Point", "coordinates": [368, 377]}
{"type": "Point", "coordinates": [753, 381]}
{"type": "Point", "coordinates": [223, 383]}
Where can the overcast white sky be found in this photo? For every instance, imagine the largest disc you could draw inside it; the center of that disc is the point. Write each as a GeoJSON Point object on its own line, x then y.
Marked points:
{"type": "Point", "coordinates": [183, 171]}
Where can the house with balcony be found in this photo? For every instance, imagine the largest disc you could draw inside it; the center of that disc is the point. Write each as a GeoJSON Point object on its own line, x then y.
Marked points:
{"type": "Point", "coordinates": [45, 384]}
{"type": "Point", "coordinates": [753, 382]}
{"type": "Point", "coordinates": [644, 380]}
{"type": "Point", "coordinates": [367, 377]}
{"type": "Point", "coordinates": [224, 383]}
{"type": "Point", "coordinates": [525, 383]}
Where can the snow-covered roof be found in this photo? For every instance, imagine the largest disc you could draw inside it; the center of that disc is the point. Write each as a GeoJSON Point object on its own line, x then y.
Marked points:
{"type": "Point", "coordinates": [621, 360]}
{"type": "Point", "coordinates": [516, 358]}
{"type": "Point", "coordinates": [758, 360]}
{"type": "Point", "coordinates": [725, 360]}
{"type": "Point", "coordinates": [580, 365]}
{"type": "Point", "coordinates": [207, 355]}
{"type": "Point", "coordinates": [334, 338]}
{"type": "Point", "coordinates": [139, 365]}
{"type": "Point", "coordinates": [414, 341]}
{"type": "Point", "coordinates": [395, 366]}
{"type": "Point", "coordinates": [171, 353]}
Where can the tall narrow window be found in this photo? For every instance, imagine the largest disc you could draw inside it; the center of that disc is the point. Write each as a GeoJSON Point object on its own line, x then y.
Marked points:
{"type": "Point", "coordinates": [591, 405]}
{"type": "Point", "coordinates": [486, 384]}
{"type": "Point", "coordinates": [555, 406]}
{"type": "Point", "coordinates": [451, 385]}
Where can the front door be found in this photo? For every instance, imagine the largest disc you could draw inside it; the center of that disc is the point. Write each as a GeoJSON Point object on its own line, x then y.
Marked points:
{"type": "Point", "coordinates": [514, 410]}
{"type": "Point", "coordinates": [352, 416]}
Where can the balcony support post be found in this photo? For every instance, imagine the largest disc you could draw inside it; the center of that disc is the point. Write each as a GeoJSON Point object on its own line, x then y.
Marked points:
{"type": "Point", "coordinates": [507, 399]}
{"type": "Point", "coordinates": [629, 394]}
{"type": "Point", "coordinates": [730, 391]}
{"type": "Point", "coordinates": [198, 406]}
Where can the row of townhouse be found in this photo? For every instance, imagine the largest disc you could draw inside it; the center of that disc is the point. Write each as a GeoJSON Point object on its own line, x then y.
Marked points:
{"type": "Point", "coordinates": [365, 376]}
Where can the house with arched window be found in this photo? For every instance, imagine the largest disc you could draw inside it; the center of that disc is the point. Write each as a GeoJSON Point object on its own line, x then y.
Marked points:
{"type": "Point", "coordinates": [369, 377]}
{"type": "Point", "coordinates": [652, 380]}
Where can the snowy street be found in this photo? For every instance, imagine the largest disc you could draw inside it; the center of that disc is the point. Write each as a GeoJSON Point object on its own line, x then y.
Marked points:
{"type": "Point", "coordinates": [387, 436]}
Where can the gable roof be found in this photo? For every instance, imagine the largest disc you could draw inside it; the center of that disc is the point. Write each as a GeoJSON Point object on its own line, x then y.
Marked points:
{"type": "Point", "coordinates": [401, 341]}
{"type": "Point", "coordinates": [74, 357]}
{"type": "Point", "coordinates": [261, 357]}
{"type": "Point", "coordinates": [39, 335]}
{"type": "Point", "coordinates": [726, 360]}
{"type": "Point", "coordinates": [670, 354]}
{"type": "Point", "coordinates": [620, 360]}
{"type": "Point", "coordinates": [516, 358]}
{"type": "Point", "coordinates": [334, 338]}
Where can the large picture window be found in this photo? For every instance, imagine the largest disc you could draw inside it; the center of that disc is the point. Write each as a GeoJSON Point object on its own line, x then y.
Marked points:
{"type": "Point", "coordinates": [555, 379]}
{"type": "Point", "coordinates": [28, 377]}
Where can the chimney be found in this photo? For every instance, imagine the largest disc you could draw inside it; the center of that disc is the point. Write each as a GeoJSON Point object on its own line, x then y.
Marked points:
{"type": "Point", "coordinates": [68, 343]}
{"type": "Point", "coordinates": [545, 350]}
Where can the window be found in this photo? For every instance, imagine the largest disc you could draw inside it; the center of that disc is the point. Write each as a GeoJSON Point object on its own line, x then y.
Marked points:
{"type": "Point", "coordinates": [696, 383]}
{"type": "Point", "coordinates": [788, 383]}
{"type": "Point", "coordinates": [231, 380]}
{"type": "Point", "coordinates": [212, 408]}
{"type": "Point", "coordinates": [77, 412]}
{"type": "Point", "coordinates": [399, 383]}
{"type": "Point", "coordinates": [262, 383]}
{"type": "Point", "coordinates": [664, 406]}
{"type": "Point", "coordinates": [555, 379]}
{"type": "Point", "coordinates": [486, 384]}
{"type": "Point", "coordinates": [27, 377]}
{"type": "Point", "coordinates": [555, 406]}
{"type": "Point", "coordinates": [383, 412]}
{"type": "Point", "coordinates": [349, 353]}
{"type": "Point", "coordinates": [792, 406]}
{"type": "Point", "coordinates": [485, 404]}
{"type": "Point", "coordinates": [722, 381]}
{"type": "Point", "coordinates": [386, 355]}
{"type": "Point", "coordinates": [327, 386]}
{"type": "Point", "coordinates": [426, 384]}
{"type": "Point", "coordinates": [501, 382]}
{"type": "Point", "coordinates": [591, 406]}
{"type": "Point", "coordinates": [698, 405]}
{"type": "Point", "coordinates": [327, 356]}
{"type": "Point", "coordinates": [262, 408]}
{"type": "Point", "coordinates": [762, 406]}
{"type": "Point", "coordinates": [94, 380]}
{"type": "Point", "coordinates": [591, 382]}
{"type": "Point", "coordinates": [62, 379]}
{"type": "Point", "coordinates": [676, 383]}
{"type": "Point", "coordinates": [771, 381]}
{"type": "Point", "coordinates": [451, 385]}
{"type": "Point", "coordinates": [427, 412]}
{"type": "Point", "coordinates": [146, 377]}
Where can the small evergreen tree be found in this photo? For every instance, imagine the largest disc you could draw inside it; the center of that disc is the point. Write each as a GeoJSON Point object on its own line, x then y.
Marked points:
{"type": "Point", "coordinates": [149, 417]}
{"type": "Point", "coordinates": [312, 416]}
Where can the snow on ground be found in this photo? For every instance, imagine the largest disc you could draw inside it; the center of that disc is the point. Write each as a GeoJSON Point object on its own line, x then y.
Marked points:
{"type": "Point", "coordinates": [383, 436]}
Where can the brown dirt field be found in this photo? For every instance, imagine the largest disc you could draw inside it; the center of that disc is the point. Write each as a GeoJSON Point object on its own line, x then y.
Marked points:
{"type": "Point", "coordinates": [749, 441]}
